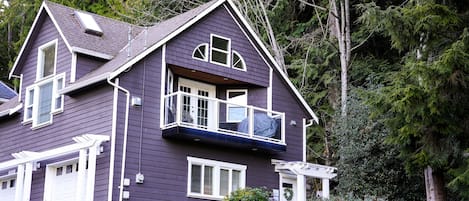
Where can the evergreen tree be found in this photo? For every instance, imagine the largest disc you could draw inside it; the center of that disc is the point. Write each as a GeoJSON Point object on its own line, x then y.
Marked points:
{"type": "Point", "coordinates": [425, 101]}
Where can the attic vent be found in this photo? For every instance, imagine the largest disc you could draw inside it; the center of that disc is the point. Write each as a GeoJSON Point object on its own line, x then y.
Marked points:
{"type": "Point", "coordinates": [87, 21]}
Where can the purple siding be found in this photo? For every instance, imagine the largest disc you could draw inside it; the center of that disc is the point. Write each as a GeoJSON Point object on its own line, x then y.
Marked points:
{"type": "Point", "coordinates": [86, 64]}
{"type": "Point", "coordinates": [179, 49]}
{"type": "Point", "coordinates": [47, 32]}
{"type": "Point", "coordinates": [86, 113]}
{"type": "Point", "coordinates": [283, 100]}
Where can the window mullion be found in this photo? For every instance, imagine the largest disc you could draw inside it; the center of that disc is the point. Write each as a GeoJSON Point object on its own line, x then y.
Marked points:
{"type": "Point", "coordinates": [216, 181]}
{"type": "Point", "coordinates": [202, 179]}
{"type": "Point", "coordinates": [230, 180]}
{"type": "Point", "coordinates": [35, 105]}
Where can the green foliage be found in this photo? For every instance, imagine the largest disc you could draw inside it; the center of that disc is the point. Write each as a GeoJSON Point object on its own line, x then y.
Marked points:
{"type": "Point", "coordinates": [368, 167]}
{"type": "Point", "coordinates": [249, 194]}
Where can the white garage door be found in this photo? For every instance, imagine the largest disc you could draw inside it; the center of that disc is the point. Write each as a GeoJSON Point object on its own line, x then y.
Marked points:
{"type": "Point", "coordinates": [7, 189]}
{"type": "Point", "coordinates": [64, 182]}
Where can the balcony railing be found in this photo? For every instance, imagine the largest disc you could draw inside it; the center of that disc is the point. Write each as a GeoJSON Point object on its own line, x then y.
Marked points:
{"type": "Point", "coordinates": [224, 118]}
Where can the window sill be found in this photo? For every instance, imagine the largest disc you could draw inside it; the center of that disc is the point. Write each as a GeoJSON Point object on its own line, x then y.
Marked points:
{"type": "Point", "coordinates": [207, 197]}
{"type": "Point", "coordinates": [41, 125]}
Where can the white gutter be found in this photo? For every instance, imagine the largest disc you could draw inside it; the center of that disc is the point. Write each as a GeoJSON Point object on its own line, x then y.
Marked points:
{"type": "Point", "coordinates": [124, 146]}
{"type": "Point", "coordinates": [305, 126]}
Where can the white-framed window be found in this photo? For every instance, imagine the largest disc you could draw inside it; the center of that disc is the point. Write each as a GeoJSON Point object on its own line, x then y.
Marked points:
{"type": "Point", "coordinates": [46, 60]}
{"type": "Point", "coordinates": [201, 52]}
{"type": "Point", "coordinates": [237, 111]}
{"type": "Point", "coordinates": [210, 179]}
{"type": "Point", "coordinates": [220, 48]}
{"type": "Point", "coordinates": [238, 62]}
{"type": "Point", "coordinates": [42, 100]}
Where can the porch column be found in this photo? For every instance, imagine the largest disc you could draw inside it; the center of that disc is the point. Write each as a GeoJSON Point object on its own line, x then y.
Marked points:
{"type": "Point", "coordinates": [91, 172]}
{"type": "Point", "coordinates": [81, 175]}
{"type": "Point", "coordinates": [325, 188]}
{"type": "Point", "coordinates": [28, 177]}
{"type": "Point", "coordinates": [19, 182]}
{"type": "Point", "coordinates": [301, 187]}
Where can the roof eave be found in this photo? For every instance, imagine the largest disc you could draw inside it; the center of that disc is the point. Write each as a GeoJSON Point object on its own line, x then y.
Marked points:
{"type": "Point", "coordinates": [92, 53]}
{"type": "Point", "coordinates": [80, 85]}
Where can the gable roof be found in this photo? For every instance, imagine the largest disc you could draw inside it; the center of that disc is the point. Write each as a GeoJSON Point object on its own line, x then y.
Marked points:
{"type": "Point", "coordinates": [6, 93]}
{"type": "Point", "coordinates": [148, 40]}
{"type": "Point", "coordinates": [115, 33]}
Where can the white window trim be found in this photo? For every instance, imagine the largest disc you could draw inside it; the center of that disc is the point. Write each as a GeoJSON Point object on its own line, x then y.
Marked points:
{"type": "Point", "coordinates": [205, 53]}
{"type": "Point", "coordinates": [241, 60]}
{"type": "Point", "coordinates": [228, 105]}
{"type": "Point", "coordinates": [228, 52]}
{"type": "Point", "coordinates": [28, 104]}
{"type": "Point", "coordinates": [35, 103]}
{"type": "Point", "coordinates": [56, 95]}
{"type": "Point", "coordinates": [40, 60]}
{"type": "Point", "coordinates": [217, 165]}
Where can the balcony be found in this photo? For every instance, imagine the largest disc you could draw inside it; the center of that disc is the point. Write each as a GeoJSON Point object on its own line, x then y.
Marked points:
{"type": "Point", "coordinates": [215, 121]}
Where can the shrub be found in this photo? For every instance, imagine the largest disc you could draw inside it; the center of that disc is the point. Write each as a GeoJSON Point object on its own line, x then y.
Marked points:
{"type": "Point", "coordinates": [249, 194]}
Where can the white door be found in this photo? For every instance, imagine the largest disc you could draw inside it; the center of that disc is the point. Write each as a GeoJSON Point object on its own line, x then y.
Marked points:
{"type": "Point", "coordinates": [64, 183]}
{"type": "Point", "coordinates": [7, 189]}
{"type": "Point", "coordinates": [288, 189]}
{"type": "Point", "coordinates": [195, 110]}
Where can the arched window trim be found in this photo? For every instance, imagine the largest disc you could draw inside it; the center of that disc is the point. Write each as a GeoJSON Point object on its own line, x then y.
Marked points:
{"type": "Point", "coordinates": [241, 59]}
{"type": "Point", "coordinates": [205, 53]}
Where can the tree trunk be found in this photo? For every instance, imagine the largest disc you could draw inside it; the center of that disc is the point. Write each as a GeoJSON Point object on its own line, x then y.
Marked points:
{"type": "Point", "coordinates": [434, 185]}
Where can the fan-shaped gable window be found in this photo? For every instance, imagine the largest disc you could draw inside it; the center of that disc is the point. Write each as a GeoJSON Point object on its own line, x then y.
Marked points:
{"type": "Point", "coordinates": [200, 52]}
{"type": "Point", "coordinates": [238, 62]}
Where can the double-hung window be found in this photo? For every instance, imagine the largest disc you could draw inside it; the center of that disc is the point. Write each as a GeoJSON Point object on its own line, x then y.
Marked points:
{"type": "Point", "coordinates": [214, 179]}
{"type": "Point", "coordinates": [237, 111]}
{"type": "Point", "coordinates": [220, 48]}
{"type": "Point", "coordinates": [42, 99]}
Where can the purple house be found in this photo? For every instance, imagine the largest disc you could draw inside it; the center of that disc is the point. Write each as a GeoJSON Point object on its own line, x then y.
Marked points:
{"type": "Point", "coordinates": [191, 108]}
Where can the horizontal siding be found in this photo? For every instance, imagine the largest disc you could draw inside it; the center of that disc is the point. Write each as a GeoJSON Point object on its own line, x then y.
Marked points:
{"type": "Point", "coordinates": [46, 33]}
{"type": "Point", "coordinates": [283, 100]}
{"type": "Point", "coordinates": [164, 161]}
{"type": "Point", "coordinates": [86, 64]}
{"type": "Point", "coordinates": [179, 50]}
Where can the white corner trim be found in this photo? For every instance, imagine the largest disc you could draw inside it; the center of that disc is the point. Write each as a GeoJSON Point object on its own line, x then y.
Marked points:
{"type": "Point", "coordinates": [162, 85]}
{"type": "Point", "coordinates": [73, 68]}
{"type": "Point", "coordinates": [113, 141]}
{"type": "Point", "coordinates": [271, 59]}
{"type": "Point", "coordinates": [166, 39]}
{"type": "Point", "coordinates": [91, 53]}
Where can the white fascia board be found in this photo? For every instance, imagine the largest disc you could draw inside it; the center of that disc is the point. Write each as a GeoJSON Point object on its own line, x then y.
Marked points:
{"type": "Point", "coordinates": [92, 53]}
{"type": "Point", "coordinates": [85, 83]}
{"type": "Point", "coordinates": [3, 100]}
{"type": "Point", "coordinates": [271, 58]}
{"type": "Point", "coordinates": [33, 26]}
{"type": "Point", "coordinates": [11, 110]}
{"type": "Point", "coordinates": [16, 109]}
{"type": "Point", "coordinates": [165, 39]}
{"type": "Point", "coordinates": [86, 141]}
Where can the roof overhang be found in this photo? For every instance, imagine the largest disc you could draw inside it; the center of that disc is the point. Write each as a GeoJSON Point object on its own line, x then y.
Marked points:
{"type": "Point", "coordinates": [304, 168]}
{"type": "Point", "coordinates": [81, 85]}
{"type": "Point", "coordinates": [11, 111]}
{"type": "Point", "coordinates": [91, 53]}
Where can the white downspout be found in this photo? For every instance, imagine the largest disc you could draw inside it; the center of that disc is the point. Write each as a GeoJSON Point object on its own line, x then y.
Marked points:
{"type": "Point", "coordinates": [126, 125]}
{"type": "Point", "coordinates": [305, 126]}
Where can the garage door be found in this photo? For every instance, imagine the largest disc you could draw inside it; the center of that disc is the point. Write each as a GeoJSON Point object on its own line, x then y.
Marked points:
{"type": "Point", "coordinates": [7, 189]}
{"type": "Point", "coordinates": [64, 182]}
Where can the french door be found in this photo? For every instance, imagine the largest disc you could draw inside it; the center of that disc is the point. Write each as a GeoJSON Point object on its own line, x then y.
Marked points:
{"type": "Point", "coordinates": [196, 109]}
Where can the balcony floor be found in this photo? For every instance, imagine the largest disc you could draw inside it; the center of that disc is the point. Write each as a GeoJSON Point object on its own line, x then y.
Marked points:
{"type": "Point", "coordinates": [218, 138]}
